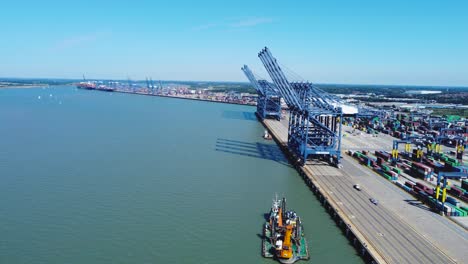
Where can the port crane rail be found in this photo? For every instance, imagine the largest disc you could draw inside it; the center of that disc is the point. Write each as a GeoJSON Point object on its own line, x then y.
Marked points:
{"type": "Point", "coordinates": [269, 98]}
{"type": "Point", "coordinates": [315, 123]}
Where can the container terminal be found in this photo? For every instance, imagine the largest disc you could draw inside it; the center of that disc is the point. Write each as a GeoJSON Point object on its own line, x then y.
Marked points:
{"type": "Point", "coordinates": [408, 169]}
{"type": "Point", "coordinates": [168, 90]}
{"type": "Point", "coordinates": [394, 182]}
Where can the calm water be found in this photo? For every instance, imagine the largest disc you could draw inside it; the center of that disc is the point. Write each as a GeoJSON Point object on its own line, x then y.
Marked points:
{"type": "Point", "coordinates": [94, 177]}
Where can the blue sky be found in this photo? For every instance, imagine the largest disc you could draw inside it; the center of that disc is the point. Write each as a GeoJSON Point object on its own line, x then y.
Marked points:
{"type": "Point", "coordinates": [351, 42]}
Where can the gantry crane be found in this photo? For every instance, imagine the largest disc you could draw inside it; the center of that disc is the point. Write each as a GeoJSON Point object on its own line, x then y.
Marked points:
{"type": "Point", "coordinates": [460, 141]}
{"type": "Point", "coordinates": [442, 177]}
{"type": "Point", "coordinates": [268, 100]}
{"type": "Point", "coordinates": [315, 122]}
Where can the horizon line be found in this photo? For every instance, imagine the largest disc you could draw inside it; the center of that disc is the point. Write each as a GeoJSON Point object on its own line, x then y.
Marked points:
{"type": "Point", "coordinates": [227, 81]}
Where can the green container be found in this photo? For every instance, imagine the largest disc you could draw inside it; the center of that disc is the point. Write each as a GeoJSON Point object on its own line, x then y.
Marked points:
{"type": "Point", "coordinates": [461, 212]}
{"type": "Point", "coordinates": [397, 170]}
{"type": "Point", "coordinates": [464, 209]}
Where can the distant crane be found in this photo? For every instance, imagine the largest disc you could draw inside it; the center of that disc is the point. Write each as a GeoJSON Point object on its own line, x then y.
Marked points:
{"type": "Point", "coordinates": [268, 100]}
{"type": "Point", "coordinates": [152, 86]}
{"type": "Point", "coordinates": [130, 87]}
{"type": "Point", "coordinates": [147, 83]}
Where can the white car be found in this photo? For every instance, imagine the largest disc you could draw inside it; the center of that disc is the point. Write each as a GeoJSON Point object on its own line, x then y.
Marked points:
{"type": "Point", "coordinates": [357, 187]}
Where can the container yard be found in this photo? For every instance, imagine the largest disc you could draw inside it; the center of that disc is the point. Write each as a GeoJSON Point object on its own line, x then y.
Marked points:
{"type": "Point", "coordinates": [410, 204]}
{"type": "Point", "coordinates": [168, 90]}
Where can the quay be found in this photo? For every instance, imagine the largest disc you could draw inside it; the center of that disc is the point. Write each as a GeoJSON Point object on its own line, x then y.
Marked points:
{"type": "Point", "coordinates": [379, 234]}
{"type": "Point", "coordinates": [186, 96]}
{"type": "Point", "coordinates": [181, 97]}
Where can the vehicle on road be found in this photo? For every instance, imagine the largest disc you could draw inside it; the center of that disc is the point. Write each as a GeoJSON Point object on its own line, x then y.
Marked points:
{"type": "Point", "coordinates": [374, 201]}
{"type": "Point", "coordinates": [357, 187]}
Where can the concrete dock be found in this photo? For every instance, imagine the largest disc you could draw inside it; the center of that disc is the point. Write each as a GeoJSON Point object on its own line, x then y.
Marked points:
{"type": "Point", "coordinates": [391, 232]}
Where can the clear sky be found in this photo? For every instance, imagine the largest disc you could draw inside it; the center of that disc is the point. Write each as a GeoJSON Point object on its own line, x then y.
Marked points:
{"type": "Point", "coordinates": [351, 42]}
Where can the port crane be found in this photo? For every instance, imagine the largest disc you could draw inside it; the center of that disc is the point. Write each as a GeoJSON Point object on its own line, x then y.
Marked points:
{"type": "Point", "coordinates": [442, 177]}
{"type": "Point", "coordinates": [457, 137]}
{"type": "Point", "coordinates": [160, 86]}
{"type": "Point", "coordinates": [152, 86]}
{"type": "Point", "coordinates": [410, 140]}
{"type": "Point", "coordinates": [315, 122]}
{"type": "Point", "coordinates": [268, 100]}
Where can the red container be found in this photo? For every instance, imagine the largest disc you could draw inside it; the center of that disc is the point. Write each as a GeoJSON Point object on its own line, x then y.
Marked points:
{"type": "Point", "coordinates": [409, 184]}
{"type": "Point", "coordinates": [420, 185]}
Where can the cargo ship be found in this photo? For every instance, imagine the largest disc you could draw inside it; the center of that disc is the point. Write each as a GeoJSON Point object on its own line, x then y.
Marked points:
{"type": "Point", "coordinates": [105, 88]}
{"type": "Point", "coordinates": [86, 85]}
{"type": "Point", "coordinates": [94, 86]}
{"type": "Point", "coordinates": [283, 237]}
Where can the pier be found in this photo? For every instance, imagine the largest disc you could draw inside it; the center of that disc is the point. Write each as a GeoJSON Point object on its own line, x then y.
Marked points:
{"type": "Point", "coordinates": [380, 235]}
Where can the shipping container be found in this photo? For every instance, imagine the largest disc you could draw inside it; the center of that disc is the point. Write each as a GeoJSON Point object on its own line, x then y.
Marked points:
{"type": "Point", "coordinates": [409, 184]}
{"type": "Point", "coordinates": [452, 201]}
{"type": "Point", "coordinates": [464, 184]}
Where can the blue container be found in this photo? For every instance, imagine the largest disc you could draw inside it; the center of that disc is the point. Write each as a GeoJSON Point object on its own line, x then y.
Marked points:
{"type": "Point", "coordinates": [452, 201]}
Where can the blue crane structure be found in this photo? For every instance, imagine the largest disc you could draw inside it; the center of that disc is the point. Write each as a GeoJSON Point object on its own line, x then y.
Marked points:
{"type": "Point", "coordinates": [460, 141]}
{"type": "Point", "coordinates": [150, 85]}
{"type": "Point", "coordinates": [442, 177]}
{"type": "Point", "coordinates": [410, 140]}
{"type": "Point", "coordinates": [315, 123]}
{"type": "Point", "coordinates": [268, 100]}
{"type": "Point", "coordinates": [375, 116]}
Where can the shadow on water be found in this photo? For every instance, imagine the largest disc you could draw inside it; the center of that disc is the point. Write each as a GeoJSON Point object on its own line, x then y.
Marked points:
{"type": "Point", "coordinates": [240, 115]}
{"type": "Point", "coordinates": [255, 150]}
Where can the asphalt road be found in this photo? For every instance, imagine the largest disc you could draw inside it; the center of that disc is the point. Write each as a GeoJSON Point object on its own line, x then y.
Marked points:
{"type": "Point", "coordinates": [394, 239]}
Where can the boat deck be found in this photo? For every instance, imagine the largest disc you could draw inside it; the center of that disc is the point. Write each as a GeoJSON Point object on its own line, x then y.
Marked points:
{"type": "Point", "coordinates": [268, 249]}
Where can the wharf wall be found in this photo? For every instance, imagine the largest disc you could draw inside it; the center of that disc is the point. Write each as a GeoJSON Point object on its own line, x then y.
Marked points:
{"type": "Point", "coordinates": [171, 96]}
{"type": "Point", "coordinates": [355, 237]}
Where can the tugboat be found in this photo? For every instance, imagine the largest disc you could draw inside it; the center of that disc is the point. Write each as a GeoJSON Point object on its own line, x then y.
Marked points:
{"type": "Point", "coordinates": [283, 237]}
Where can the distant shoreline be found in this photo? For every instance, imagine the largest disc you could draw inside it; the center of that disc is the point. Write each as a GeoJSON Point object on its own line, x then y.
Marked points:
{"type": "Point", "coordinates": [29, 86]}
{"type": "Point", "coordinates": [22, 86]}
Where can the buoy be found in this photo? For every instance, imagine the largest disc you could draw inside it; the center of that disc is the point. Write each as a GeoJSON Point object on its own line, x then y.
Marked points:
{"type": "Point", "coordinates": [39, 97]}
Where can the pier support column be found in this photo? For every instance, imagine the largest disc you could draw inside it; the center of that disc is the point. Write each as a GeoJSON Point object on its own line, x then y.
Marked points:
{"type": "Point", "coordinates": [363, 249]}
